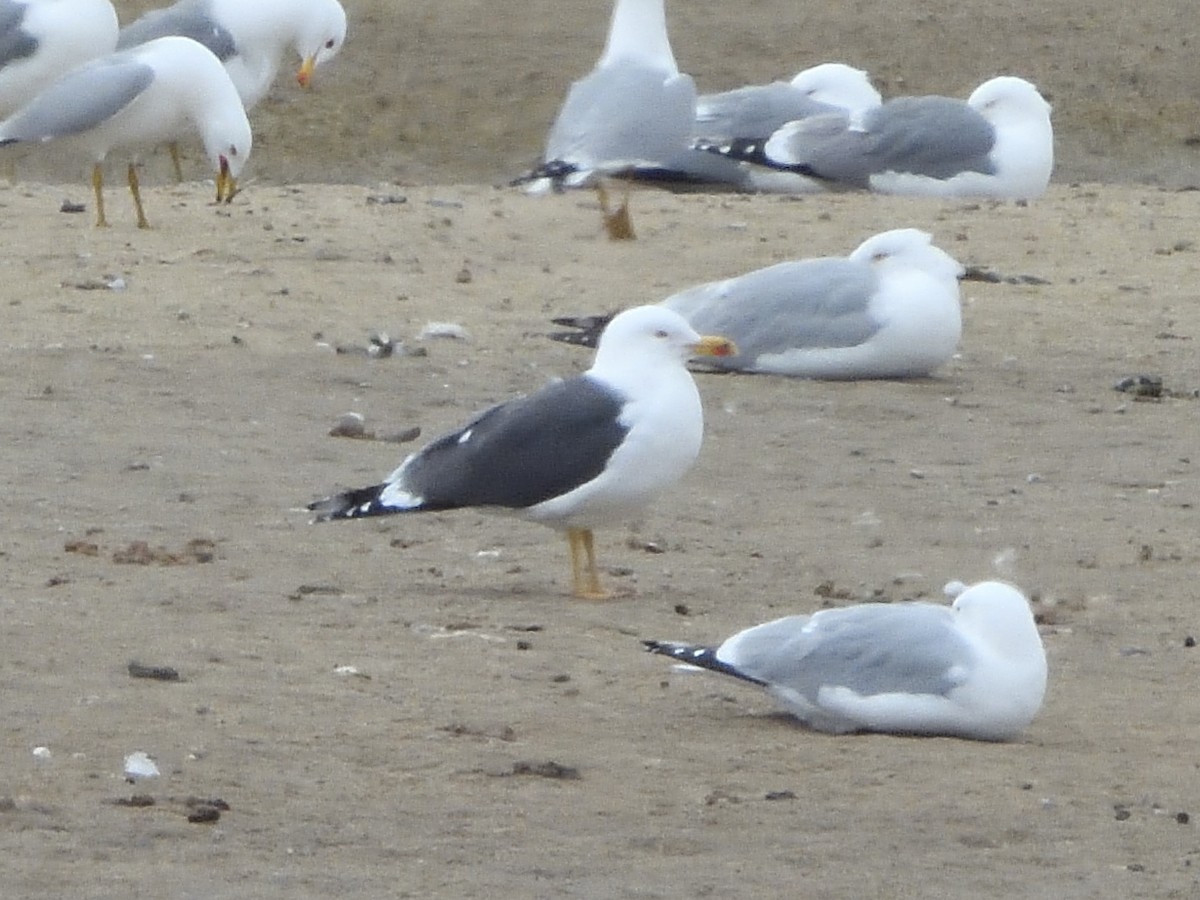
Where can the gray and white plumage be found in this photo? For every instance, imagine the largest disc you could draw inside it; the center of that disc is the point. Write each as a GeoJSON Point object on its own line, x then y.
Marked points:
{"type": "Point", "coordinates": [999, 144]}
{"type": "Point", "coordinates": [633, 109]}
{"type": "Point", "coordinates": [975, 669]}
{"type": "Point", "coordinates": [891, 309]}
{"type": "Point", "coordinates": [579, 453]}
{"type": "Point", "coordinates": [41, 40]}
{"type": "Point", "coordinates": [754, 113]}
{"type": "Point", "coordinates": [250, 37]}
{"type": "Point", "coordinates": [759, 110]}
{"type": "Point", "coordinates": [136, 99]}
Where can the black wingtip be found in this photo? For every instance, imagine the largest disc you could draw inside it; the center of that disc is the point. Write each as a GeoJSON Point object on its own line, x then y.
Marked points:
{"type": "Point", "coordinates": [353, 504]}
{"type": "Point", "coordinates": [754, 150]}
{"type": "Point", "coordinates": [751, 150]}
{"type": "Point", "coordinates": [589, 329]}
{"type": "Point", "coordinates": [554, 169]}
{"type": "Point", "coordinates": [701, 657]}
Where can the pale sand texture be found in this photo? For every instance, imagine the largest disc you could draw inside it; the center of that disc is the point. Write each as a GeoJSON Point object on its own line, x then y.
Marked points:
{"type": "Point", "coordinates": [193, 404]}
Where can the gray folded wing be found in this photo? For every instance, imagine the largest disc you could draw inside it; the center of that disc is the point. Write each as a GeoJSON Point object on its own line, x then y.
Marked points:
{"type": "Point", "coordinates": [933, 136]}
{"type": "Point", "coordinates": [521, 452]}
{"type": "Point", "coordinates": [755, 111]}
{"type": "Point", "coordinates": [910, 648]}
{"type": "Point", "coordinates": [190, 18]}
{"type": "Point", "coordinates": [15, 43]}
{"type": "Point", "coordinates": [809, 304]}
{"type": "Point", "coordinates": [80, 100]}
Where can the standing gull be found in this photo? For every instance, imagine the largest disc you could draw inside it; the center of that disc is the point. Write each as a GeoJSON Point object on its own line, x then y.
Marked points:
{"type": "Point", "coordinates": [579, 453]}
{"type": "Point", "coordinates": [890, 309]}
{"type": "Point", "coordinates": [43, 39]}
{"type": "Point", "coordinates": [635, 109]}
{"type": "Point", "coordinates": [139, 98]}
{"type": "Point", "coordinates": [754, 113]}
{"type": "Point", "coordinates": [999, 144]}
{"type": "Point", "coordinates": [976, 669]}
{"type": "Point", "coordinates": [250, 36]}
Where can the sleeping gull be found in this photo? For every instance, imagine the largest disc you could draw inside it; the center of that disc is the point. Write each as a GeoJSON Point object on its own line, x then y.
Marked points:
{"type": "Point", "coordinates": [250, 36]}
{"type": "Point", "coordinates": [976, 669]}
{"type": "Point", "coordinates": [998, 144]}
{"type": "Point", "coordinates": [634, 109]}
{"type": "Point", "coordinates": [139, 98]}
{"type": "Point", "coordinates": [579, 453]}
{"type": "Point", "coordinates": [43, 39]}
{"type": "Point", "coordinates": [754, 113]}
{"type": "Point", "coordinates": [759, 110]}
{"type": "Point", "coordinates": [889, 310]}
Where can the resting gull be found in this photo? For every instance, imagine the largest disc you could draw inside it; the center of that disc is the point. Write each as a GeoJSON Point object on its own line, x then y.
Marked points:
{"type": "Point", "coordinates": [250, 36]}
{"type": "Point", "coordinates": [754, 113]}
{"type": "Point", "coordinates": [889, 310]}
{"type": "Point", "coordinates": [43, 39]}
{"type": "Point", "coordinates": [976, 669]}
{"type": "Point", "coordinates": [998, 144]}
{"type": "Point", "coordinates": [634, 109]}
{"type": "Point", "coordinates": [579, 453]}
{"type": "Point", "coordinates": [139, 98]}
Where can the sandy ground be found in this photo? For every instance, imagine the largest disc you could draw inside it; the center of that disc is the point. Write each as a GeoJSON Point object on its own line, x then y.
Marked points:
{"type": "Point", "coordinates": [165, 402]}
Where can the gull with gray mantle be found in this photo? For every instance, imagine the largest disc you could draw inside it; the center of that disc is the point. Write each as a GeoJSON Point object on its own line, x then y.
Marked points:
{"type": "Point", "coordinates": [634, 109]}
{"type": "Point", "coordinates": [998, 144]}
{"type": "Point", "coordinates": [43, 39]}
{"type": "Point", "coordinates": [975, 669]}
{"type": "Point", "coordinates": [580, 453]}
{"type": "Point", "coordinates": [890, 309]}
{"type": "Point", "coordinates": [134, 100]}
{"type": "Point", "coordinates": [250, 38]}
{"type": "Point", "coordinates": [754, 113]}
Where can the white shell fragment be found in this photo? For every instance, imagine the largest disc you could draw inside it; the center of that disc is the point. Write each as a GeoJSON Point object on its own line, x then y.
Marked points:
{"type": "Point", "coordinates": [139, 765]}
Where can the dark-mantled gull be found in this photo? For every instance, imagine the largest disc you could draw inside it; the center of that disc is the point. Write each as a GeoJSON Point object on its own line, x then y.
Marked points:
{"type": "Point", "coordinates": [976, 669]}
{"type": "Point", "coordinates": [998, 144]}
{"type": "Point", "coordinates": [754, 113]}
{"type": "Point", "coordinates": [579, 453]}
{"type": "Point", "coordinates": [891, 309]}
{"type": "Point", "coordinates": [43, 39]}
{"type": "Point", "coordinates": [634, 109]}
{"type": "Point", "coordinates": [136, 99]}
{"type": "Point", "coordinates": [250, 36]}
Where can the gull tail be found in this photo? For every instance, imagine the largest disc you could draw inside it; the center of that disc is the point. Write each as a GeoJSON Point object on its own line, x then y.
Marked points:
{"type": "Point", "coordinates": [701, 657]}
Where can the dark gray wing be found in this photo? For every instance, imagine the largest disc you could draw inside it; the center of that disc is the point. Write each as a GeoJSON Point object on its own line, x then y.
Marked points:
{"type": "Point", "coordinates": [15, 43]}
{"type": "Point", "coordinates": [189, 18]}
{"type": "Point", "coordinates": [938, 137]}
{"type": "Point", "coordinates": [755, 111]}
{"type": "Point", "coordinates": [802, 305]}
{"type": "Point", "coordinates": [81, 99]}
{"type": "Point", "coordinates": [514, 455]}
{"type": "Point", "coordinates": [911, 648]}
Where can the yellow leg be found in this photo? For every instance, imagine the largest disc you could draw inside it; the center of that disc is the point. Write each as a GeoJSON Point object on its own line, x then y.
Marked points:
{"type": "Point", "coordinates": [585, 578]}
{"type": "Point", "coordinates": [616, 222]}
{"type": "Point", "coordinates": [173, 149]}
{"type": "Point", "coordinates": [137, 197]}
{"type": "Point", "coordinates": [98, 187]}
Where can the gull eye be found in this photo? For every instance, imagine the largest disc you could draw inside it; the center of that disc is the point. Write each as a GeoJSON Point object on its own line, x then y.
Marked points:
{"type": "Point", "coordinates": [661, 334]}
{"type": "Point", "coordinates": [329, 44]}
